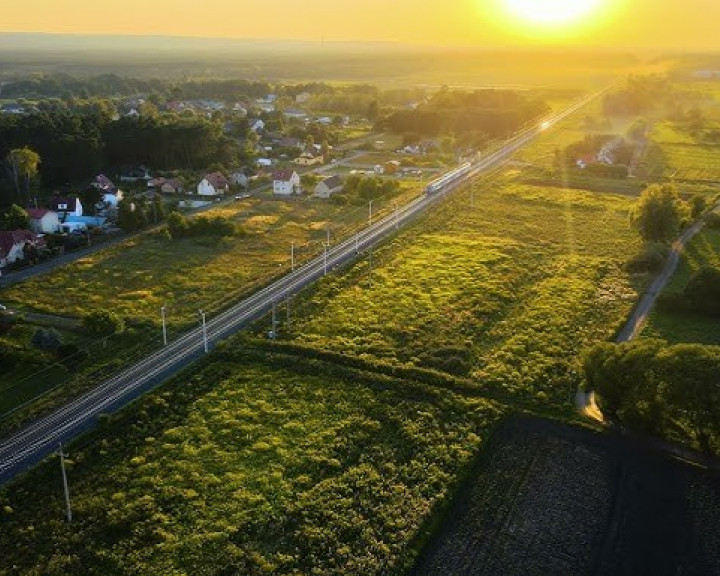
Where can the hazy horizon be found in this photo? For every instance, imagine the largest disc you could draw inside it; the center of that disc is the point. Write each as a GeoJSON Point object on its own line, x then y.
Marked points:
{"type": "Point", "coordinates": [619, 24]}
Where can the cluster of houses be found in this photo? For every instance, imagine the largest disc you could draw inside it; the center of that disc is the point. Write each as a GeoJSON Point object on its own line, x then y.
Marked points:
{"type": "Point", "coordinates": [62, 215]}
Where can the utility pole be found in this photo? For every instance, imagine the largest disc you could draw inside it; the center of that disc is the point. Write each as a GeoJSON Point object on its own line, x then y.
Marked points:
{"type": "Point", "coordinates": [328, 235]}
{"type": "Point", "coordinates": [370, 212]}
{"type": "Point", "coordinates": [370, 267]}
{"type": "Point", "coordinates": [397, 217]}
{"type": "Point", "coordinates": [357, 242]}
{"type": "Point", "coordinates": [292, 255]}
{"type": "Point", "coordinates": [68, 509]}
{"type": "Point", "coordinates": [325, 247]}
{"type": "Point", "coordinates": [287, 304]}
{"type": "Point", "coordinates": [274, 320]}
{"type": "Point", "coordinates": [164, 325]}
{"type": "Point", "coordinates": [204, 332]}
{"type": "Point", "coordinates": [472, 196]}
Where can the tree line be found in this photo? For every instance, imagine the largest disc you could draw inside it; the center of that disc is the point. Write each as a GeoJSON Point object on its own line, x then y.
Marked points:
{"type": "Point", "coordinates": [75, 143]}
{"type": "Point", "coordinates": [495, 113]}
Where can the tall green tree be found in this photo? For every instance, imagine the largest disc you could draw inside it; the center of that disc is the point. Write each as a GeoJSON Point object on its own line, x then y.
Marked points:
{"type": "Point", "coordinates": [22, 165]}
{"type": "Point", "coordinates": [16, 218]}
{"type": "Point", "coordinates": [658, 213]}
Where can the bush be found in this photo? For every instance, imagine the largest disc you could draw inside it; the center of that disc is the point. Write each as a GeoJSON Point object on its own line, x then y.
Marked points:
{"type": "Point", "coordinates": [181, 227]}
{"type": "Point", "coordinates": [712, 221]}
{"type": "Point", "coordinates": [651, 259]}
{"type": "Point", "coordinates": [46, 339]}
{"type": "Point", "coordinates": [703, 291]}
{"type": "Point", "coordinates": [103, 323]}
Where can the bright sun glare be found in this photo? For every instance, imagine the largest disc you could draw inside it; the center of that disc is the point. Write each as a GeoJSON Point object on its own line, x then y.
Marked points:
{"type": "Point", "coordinates": [551, 12]}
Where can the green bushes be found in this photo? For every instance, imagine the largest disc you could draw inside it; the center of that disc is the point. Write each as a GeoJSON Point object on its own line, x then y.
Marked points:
{"type": "Point", "coordinates": [667, 390]}
{"type": "Point", "coordinates": [650, 260]}
{"type": "Point", "coordinates": [181, 227]}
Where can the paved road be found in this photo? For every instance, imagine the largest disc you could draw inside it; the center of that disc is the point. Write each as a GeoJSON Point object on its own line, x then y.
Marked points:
{"type": "Point", "coordinates": [585, 401]}
{"type": "Point", "coordinates": [29, 445]}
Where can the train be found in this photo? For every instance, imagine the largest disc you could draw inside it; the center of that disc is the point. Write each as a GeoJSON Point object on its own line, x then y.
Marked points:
{"type": "Point", "coordinates": [448, 178]}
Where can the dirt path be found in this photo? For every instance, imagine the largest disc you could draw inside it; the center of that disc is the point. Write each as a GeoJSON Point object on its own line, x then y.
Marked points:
{"type": "Point", "coordinates": [585, 401]}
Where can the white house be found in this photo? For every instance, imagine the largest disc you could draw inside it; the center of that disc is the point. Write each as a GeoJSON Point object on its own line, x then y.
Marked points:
{"type": "Point", "coordinates": [239, 178]}
{"type": "Point", "coordinates": [214, 184]}
{"type": "Point", "coordinates": [329, 186]}
{"type": "Point", "coordinates": [286, 183]}
{"type": "Point", "coordinates": [66, 206]}
{"type": "Point", "coordinates": [43, 221]}
{"type": "Point", "coordinates": [257, 125]}
{"type": "Point", "coordinates": [264, 162]}
{"type": "Point", "coordinates": [13, 245]}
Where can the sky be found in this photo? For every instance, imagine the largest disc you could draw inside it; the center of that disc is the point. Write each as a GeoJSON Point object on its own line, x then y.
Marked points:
{"type": "Point", "coordinates": [690, 24]}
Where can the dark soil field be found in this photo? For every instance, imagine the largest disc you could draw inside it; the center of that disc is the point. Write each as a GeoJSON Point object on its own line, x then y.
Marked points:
{"type": "Point", "coordinates": [555, 500]}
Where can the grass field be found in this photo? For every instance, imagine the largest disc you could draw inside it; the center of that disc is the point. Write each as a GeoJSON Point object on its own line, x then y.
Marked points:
{"type": "Point", "coordinates": [237, 467]}
{"type": "Point", "coordinates": [136, 278]}
{"type": "Point", "coordinates": [703, 250]}
{"type": "Point", "coordinates": [508, 292]}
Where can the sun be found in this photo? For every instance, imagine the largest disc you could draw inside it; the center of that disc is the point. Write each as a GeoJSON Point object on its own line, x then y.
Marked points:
{"type": "Point", "coordinates": [551, 12]}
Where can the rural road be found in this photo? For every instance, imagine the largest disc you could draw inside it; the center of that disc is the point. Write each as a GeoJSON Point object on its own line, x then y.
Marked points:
{"type": "Point", "coordinates": [27, 446]}
{"type": "Point", "coordinates": [585, 401]}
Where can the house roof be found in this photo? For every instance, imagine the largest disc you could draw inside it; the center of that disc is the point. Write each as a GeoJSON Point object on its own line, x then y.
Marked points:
{"type": "Point", "coordinates": [71, 203]}
{"type": "Point", "coordinates": [217, 180]}
{"type": "Point", "coordinates": [333, 182]}
{"type": "Point", "coordinates": [105, 183]}
{"type": "Point", "coordinates": [37, 213]}
{"type": "Point", "coordinates": [283, 175]}
{"type": "Point", "coordinates": [8, 239]}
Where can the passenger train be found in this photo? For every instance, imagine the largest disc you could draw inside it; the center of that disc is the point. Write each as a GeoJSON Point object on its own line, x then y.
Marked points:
{"type": "Point", "coordinates": [448, 178]}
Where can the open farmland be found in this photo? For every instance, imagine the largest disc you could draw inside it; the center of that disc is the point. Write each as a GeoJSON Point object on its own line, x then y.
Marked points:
{"type": "Point", "coordinates": [703, 250]}
{"type": "Point", "coordinates": [509, 292]}
{"type": "Point", "coordinates": [550, 499]}
{"type": "Point", "coordinates": [241, 467]}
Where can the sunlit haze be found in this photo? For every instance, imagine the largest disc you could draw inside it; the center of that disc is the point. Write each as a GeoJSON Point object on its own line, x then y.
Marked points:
{"type": "Point", "coordinates": [632, 23]}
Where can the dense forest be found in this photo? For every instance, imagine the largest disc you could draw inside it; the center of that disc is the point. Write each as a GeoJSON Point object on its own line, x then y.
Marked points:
{"type": "Point", "coordinates": [78, 139]}
{"type": "Point", "coordinates": [494, 113]}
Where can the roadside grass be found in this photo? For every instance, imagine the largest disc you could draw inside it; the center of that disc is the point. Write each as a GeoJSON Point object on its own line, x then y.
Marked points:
{"type": "Point", "coordinates": [137, 277]}
{"type": "Point", "coordinates": [703, 250]}
{"type": "Point", "coordinates": [510, 291]}
{"type": "Point", "coordinates": [251, 468]}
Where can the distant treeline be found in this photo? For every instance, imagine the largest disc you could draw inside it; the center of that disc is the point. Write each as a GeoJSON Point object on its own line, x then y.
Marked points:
{"type": "Point", "coordinates": [112, 85]}
{"type": "Point", "coordinates": [77, 142]}
{"type": "Point", "coordinates": [495, 113]}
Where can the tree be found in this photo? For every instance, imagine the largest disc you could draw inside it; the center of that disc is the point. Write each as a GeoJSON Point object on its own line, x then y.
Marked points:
{"type": "Point", "coordinates": [46, 339]}
{"type": "Point", "coordinates": [22, 165]}
{"type": "Point", "coordinates": [16, 218]}
{"type": "Point", "coordinates": [691, 373]}
{"type": "Point", "coordinates": [130, 216]}
{"type": "Point", "coordinates": [703, 291]}
{"type": "Point", "coordinates": [177, 225]}
{"type": "Point", "coordinates": [698, 204]}
{"type": "Point", "coordinates": [103, 323]}
{"type": "Point", "coordinates": [658, 213]}
{"type": "Point", "coordinates": [373, 111]}
{"type": "Point", "coordinates": [91, 197]}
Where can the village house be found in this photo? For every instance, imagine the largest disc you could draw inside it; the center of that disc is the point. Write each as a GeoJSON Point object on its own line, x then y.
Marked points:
{"type": "Point", "coordinates": [286, 183]}
{"type": "Point", "coordinates": [172, 186]}
{"type": "Point", "coordinates": [110, 192]}
{"type": "Point", "coordinates": [329, 186]}
{"type": "Point", "coordinates": [15, 245]}
{"type": "Point", "coordinates": [295, 113]}
{"type": "Point", "coordinates": [66, 206]}
{"type": "Point", "coordinates": [257, 125]}
{"type": "Point", "coordinates": [239, 178]}
{"type": "Point", "coordinates": [214, 184]}
{"type": "Point", "coordinates": [302, 97]}
{"type": "Point", "coordinates": [43, 221]}
{"type": "Point", "coordinates": [309, 158]}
